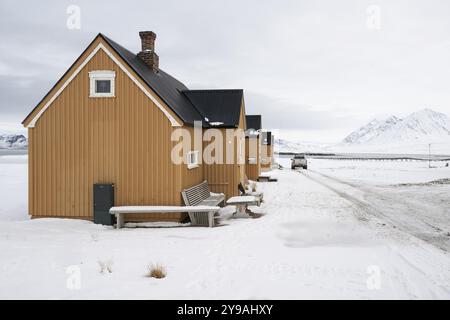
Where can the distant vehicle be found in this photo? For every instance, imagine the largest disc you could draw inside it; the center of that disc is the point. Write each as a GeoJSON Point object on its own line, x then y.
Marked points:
{"type": "Point", "coordinates": [299, 161]}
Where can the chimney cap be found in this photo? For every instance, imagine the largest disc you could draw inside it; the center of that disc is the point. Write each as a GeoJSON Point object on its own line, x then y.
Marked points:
{"type": "Point", "coordinates": [145, 34]}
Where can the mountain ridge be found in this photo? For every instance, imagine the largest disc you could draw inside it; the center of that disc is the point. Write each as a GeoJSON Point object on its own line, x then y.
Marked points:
{"type": "Point", "coordinates": [417, 133]}
{"type": "Point", "coordinates": [13, 141]}
{"type": "Point", "coordinates": [424, 125]}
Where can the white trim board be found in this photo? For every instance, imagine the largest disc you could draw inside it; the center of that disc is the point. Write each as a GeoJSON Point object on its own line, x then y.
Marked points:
{"type": "Point", "coordinates": [107, 75]}
{"type": "Point", "coordinates": [172, 120]}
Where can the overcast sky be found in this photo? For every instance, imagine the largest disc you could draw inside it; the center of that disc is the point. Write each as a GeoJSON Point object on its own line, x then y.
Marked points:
{"type": "Point", "coordinates": [322, 68]}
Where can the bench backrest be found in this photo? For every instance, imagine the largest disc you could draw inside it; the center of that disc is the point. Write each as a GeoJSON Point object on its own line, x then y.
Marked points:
{"type": "Point", "coordinates": [196, 194]}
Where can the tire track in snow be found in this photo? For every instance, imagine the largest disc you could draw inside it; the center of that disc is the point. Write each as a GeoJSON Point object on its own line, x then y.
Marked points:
{"type": "Point", "coordinates": [437, 281]}
{"type": "Point", "coordinates": [368, 209]}
{"type": "Point", "coordinates": [387, 198]}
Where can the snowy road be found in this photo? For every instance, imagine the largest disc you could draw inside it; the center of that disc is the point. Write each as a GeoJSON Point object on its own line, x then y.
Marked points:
{"type": "Point", "coordinates": [309, 243]}
{"type": "Point", "coordinates": [404, 210]}
{"type": "Point", "coordinates": [409, 196]}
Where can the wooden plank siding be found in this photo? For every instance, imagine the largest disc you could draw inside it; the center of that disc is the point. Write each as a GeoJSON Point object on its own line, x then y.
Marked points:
{"type": "Point", "coordinates": [253, 170]}
{"type": "Point", "coordinates": [242, 127]}
{"type": "Point", "coordinates": [80, 141]}
{"type": "Point", "coordinates": [191, 177]}
{"type": "Point", "coordinates": [224, 178]}
{"type": "Point", "coordinates": [125, 140]}
{"type": "Point", "coordinates": [266, 157]}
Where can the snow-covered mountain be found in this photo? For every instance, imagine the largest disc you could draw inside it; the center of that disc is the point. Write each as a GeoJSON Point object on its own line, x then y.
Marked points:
{"type": "Point", "coordinates": [371, 130]}
{"type": "Point", "coordinates": [13, 141]}
{"type": "Point", "coordinates": [425, 126]}
{"type": "Point", "coordinates": [282, 145]}
{"type": "Point", "coordinates": [412, 134]}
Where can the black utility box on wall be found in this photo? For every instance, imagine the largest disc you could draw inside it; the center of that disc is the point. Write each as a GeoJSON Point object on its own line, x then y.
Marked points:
{"type": "Point", "coordinates": [103, 201]}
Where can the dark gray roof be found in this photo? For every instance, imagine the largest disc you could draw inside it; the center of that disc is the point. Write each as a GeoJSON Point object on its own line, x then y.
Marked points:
{"type": "Point", "coordinates": [165, 86]}
{"type": "Point", "coordinates": [253, 121]}
{"type": "Point", "coordinates": [222, 107]}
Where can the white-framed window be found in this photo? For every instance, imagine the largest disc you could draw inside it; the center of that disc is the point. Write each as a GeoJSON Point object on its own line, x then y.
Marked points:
{"type": "Point", "coordinates": [192, 159]}
{"type": "Point", "coordinates": [102, 83]}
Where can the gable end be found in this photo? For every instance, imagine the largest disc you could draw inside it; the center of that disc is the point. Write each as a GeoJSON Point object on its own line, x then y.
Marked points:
{"type": "Point", "coordinates": [30, 123]}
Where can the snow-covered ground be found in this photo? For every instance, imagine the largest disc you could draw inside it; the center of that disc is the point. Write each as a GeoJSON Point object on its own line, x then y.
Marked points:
{"type": "Point", "coordinates": [13, 187]}
{"type": "Point", "coordinates": [311, 242]}
{"type": "Point", "coordinates": [377, 172]}
{"type": "Point", "coordinates": [408, 195]}
{"type": "Point", "coordinates": [418, 147]}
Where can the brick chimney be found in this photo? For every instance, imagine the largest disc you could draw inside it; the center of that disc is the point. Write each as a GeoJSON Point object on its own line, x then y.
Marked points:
{"type": "Point", "coordinates": [147, 53]}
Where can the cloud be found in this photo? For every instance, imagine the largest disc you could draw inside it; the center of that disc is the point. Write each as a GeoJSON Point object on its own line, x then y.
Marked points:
{"type": "Point", "coordinates": [311, 65]}
{"type": "Point", "coordinates": [19, 95]}
{"type": "Point", "coordinates": [280, 114]}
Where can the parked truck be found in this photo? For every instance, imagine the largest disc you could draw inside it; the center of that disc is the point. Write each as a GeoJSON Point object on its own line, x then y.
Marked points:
{"type": "Point", "coordinates": [299, 161]}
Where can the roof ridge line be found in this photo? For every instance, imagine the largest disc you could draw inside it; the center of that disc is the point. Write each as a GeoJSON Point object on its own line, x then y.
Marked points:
{"type": "Point", "coordinates": [193, 90]}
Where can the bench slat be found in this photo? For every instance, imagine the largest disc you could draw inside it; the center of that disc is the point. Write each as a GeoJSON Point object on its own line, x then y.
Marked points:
{"type": "Point", "coordinates": [196, 194]}
{"type": "Point", "coordinates": [162, 209]}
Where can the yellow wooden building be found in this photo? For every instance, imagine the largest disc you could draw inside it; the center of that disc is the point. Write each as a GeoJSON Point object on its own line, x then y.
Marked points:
{"type": "Point", "coordinates": [110, 119]}
{"type": "Point", "coordinates": [267, 149]}
{"type": "Point", "coordinates": [253, 147]}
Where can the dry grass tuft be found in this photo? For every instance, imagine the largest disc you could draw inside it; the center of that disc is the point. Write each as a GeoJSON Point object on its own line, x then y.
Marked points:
{"type": "Point", "coordinates": [156, 271]}
{"type": "Point", "coordinates": [105, 266]}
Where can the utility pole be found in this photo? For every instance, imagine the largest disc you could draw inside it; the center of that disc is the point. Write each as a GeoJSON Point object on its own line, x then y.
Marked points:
{"type": "Point", "coordinates": [429, 155]}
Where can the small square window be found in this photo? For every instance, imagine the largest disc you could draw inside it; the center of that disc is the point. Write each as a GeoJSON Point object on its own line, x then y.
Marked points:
{"type": "Point", "coordinates": [102, 83]}
{"type": "Point", "coordinates": [192, 158]}
{"type": "Point", "coordinates": [103, 86]}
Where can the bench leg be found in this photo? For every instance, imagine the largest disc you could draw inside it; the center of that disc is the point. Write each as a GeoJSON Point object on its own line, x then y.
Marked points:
{"type": "Point", "coordinates": [211, 219]}
{"type": "Point", "coordinates": [241, 208]}
{"type": "Point", "coordinates": [119, 220]}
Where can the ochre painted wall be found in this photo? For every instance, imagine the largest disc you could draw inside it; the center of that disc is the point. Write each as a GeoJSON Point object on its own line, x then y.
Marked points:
{"type": "Point", "coordinates": [80, 141]}
{"type": "Point", "coordinates": [191, 176]}
{"type": "Point", "coordinates": [253, 170]}
{"type": "Point", "coordinates": [266, 157]}
{"type": "Point", "coordinates": [224, 178]}
{"type": "Point", "coordinates": [126, 140]}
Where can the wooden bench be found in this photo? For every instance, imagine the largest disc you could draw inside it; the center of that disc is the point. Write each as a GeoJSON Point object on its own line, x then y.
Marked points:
{"type": "Point", "coordinates": [199, 195]}
{"type": "Point", "coordinates": [119, 212]}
